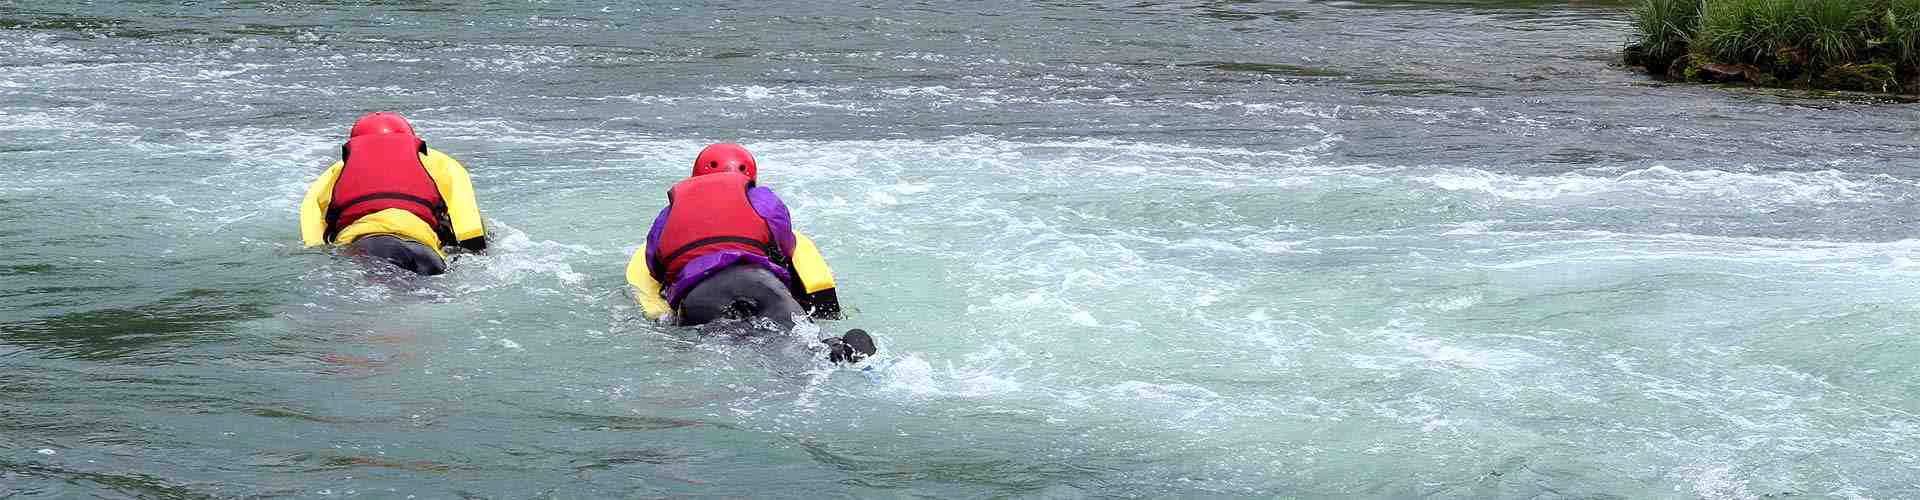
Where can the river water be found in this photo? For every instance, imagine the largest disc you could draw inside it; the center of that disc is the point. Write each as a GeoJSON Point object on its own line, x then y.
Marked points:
{"type": "Point", "coordinates": [1348, 249]}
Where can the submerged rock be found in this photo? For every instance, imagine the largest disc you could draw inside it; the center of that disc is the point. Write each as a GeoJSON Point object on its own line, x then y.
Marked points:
{"type": "Point", "coordinates": [1637, 55]}
{"type": "Point", "coordinates": [1870, 77]}
{"type": "Point", "coordinates": [1792, 57]}
{"type": "Point", "coordinates": [1731, 73]}
{"type": "Point", "coordinates": [1700, 68]}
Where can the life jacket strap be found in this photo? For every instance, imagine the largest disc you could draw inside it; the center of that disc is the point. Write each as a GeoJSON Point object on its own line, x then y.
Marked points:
{"type": "Point", "coordinates": [772, 252]}
{"type": "Point", "coordinates": [441, 228]}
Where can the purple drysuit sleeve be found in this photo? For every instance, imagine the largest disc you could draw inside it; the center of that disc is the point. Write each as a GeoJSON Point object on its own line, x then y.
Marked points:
{"type": "Point", "coordinates": [653, 240]}
{"type": "Point", "coordinates": [769, 206]}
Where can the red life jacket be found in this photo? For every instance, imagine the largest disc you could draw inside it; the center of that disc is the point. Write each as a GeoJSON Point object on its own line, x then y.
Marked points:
{"type": "Point", "coordinates": [383, 171]}
{"type": "Point", "coordinates": [710, 213]}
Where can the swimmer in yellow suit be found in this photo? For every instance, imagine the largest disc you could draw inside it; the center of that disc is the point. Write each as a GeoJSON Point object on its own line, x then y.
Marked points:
{"type": "Point", "coordinates": [393, 198]}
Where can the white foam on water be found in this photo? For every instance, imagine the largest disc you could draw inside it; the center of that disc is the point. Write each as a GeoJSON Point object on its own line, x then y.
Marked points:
{"type": "Point", "coordinates": [1713, 186]}
{"type": "Point", "coordinates": [513, 256]}
{"type": "Point", "coordinates": [17, 44]}
{"type": "Point", "coordinates": [1295, 108]}
{"type": "Point", "coordinates": [1138, 390]}
{"type": "Point", "coordinates": [806, 97]}
{"type": "Point", "coordinates": [1455, 303]}
{"type": "Point", "coordinates": [513, 59]}
{"type": "Point", "coordinates": [648, 99]}
{"type": "Point", "coordinates": [910, 188]}
{"type": "Point", "coordinates": [65, 120]}
{"type": "Point", "coordinates": [1084, 318]}
{"type": "Point", "coordinates": [992, 373]}
{"type": "Point", "coordinates": [1746, 256]}
{"type": "Point", "coordinates": [935, 91]}
{"type": "Point", "coordinates": [909, 373]}
{"type": "Point", "coordinates": [1715, 482]}
{"type": "Point", "coordinates": [1428, 352]}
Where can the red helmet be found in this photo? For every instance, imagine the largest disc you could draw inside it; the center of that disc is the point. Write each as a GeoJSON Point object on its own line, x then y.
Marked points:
{"type": "Point", "coordinates": [725, 157]}
{"type": "Point", "coordinates": [380, 123]}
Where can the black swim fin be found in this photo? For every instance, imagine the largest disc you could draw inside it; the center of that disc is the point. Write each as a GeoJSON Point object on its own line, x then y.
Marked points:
{"type": "Point", "coordinates": [856, 345]}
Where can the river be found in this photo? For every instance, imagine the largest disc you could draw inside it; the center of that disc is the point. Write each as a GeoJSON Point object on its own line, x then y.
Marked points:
{"type": "Point", "coordinates": [1307, 249]}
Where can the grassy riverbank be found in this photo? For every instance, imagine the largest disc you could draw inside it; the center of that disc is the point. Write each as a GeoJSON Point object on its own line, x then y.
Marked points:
{"type": "Point", "coordinates": [1869, 45]}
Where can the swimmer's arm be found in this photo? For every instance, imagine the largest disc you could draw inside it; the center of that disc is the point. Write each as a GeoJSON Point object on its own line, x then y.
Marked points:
{"type": "Point", "coordinates": [313, 208]}
{"type": "Point", "coordinates": [654, 266]}
{"type": "Point", "coordinates": [779, 221]}
{"type": "Point", "coordinates": [456, 187]}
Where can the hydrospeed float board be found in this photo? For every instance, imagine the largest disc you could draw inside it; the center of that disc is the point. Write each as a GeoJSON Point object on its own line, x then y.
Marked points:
{"type": "Point", "coordinates": [807, 262]}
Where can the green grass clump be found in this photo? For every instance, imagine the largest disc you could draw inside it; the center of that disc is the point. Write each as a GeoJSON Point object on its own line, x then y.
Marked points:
{"type": "Point", "coordinates": [1725, 29]}
{"type": "Point", "coordinates": [1787, 38]}
{"type": "Point", "coordinates": [1901, 21]}
{"type": "Point", "coordinates": [1833, 29]}
{"type": "Point", "coordinates": [1666, 27]}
